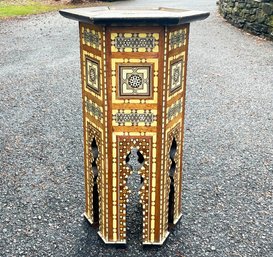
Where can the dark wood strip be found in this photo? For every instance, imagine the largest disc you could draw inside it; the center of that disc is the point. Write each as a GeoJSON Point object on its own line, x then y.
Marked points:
{"type": "Point", "coordinates": [175, 99]}
{"type": "Point", "coordinates": [92, 50]}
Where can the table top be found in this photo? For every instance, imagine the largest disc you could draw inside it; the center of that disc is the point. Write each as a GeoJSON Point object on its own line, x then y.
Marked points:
{"type": "Point", "coordinates": [107, 15]}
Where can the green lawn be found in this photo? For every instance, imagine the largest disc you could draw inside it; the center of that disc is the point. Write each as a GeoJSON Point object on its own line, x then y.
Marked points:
{"type": "Point", "coordinates": [25, 7]}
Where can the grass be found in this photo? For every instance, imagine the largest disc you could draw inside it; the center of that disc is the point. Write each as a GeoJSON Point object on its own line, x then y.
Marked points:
{"type": "Point", "coordinates": [26, 7]}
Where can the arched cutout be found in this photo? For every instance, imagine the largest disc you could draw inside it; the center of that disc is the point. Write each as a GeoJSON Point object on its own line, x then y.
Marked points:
{"type": "Point", "coordinates": [172, 170]}
{"type": "Point", "coordinates": [95, 153]}
{"type": "Point", "coordinates": [173, 149]}
{"type": "Point", "coordinates": [134, 160]}
{"type": "Point", "coordinates": [171, 204]}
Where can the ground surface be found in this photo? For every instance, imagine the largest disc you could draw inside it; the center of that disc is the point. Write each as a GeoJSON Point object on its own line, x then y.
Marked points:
{"type": "Point", "coordinates": [228, 157]}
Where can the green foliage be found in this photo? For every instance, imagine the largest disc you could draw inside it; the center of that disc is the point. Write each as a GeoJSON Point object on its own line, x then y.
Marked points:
{"type": "Point", "coordinates": [11, 9]}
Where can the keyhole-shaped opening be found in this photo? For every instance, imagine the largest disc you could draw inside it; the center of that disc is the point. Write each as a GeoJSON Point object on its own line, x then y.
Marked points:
{"type": "Point", "coordinates": [134, 159]}
{"type": "Point", "coordinates": [172, 154]}
{"type": "Point", "coordinates": [95, 153]}
{"type": "Point", "coordinates": [134, 216]}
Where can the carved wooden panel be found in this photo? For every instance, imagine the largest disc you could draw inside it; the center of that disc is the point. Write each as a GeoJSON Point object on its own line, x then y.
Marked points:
{"type": "Point", "coordinates": [174, 169]}
{"type": "Point", "coordinates": [125, 144]}
{"type": "Point", "coordinates": [175, 108]}
{"type": "Point", "coordinates": [94, 166]}
{"type": "Point", "coordinates": [93, 75]}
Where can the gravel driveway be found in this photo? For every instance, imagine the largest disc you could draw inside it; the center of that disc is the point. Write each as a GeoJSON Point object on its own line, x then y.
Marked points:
{"type": "Point", "coordinates": [228, 156]}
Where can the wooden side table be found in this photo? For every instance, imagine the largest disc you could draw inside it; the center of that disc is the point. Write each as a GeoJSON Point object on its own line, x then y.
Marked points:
{"type": "Point", "coordinates": [134, 67]}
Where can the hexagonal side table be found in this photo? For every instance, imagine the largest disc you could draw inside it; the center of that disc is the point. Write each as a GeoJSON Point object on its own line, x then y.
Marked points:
{"type": "Point", "coordinates": [133, 65]}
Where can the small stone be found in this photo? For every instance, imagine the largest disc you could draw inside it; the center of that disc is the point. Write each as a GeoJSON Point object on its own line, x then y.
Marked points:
{"type": "Point", "coordinates": [213, 248]}
{"type": "Point", "coordinates": [5, 230]}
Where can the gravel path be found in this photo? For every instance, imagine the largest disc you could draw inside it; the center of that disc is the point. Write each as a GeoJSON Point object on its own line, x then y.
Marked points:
{"type": "Point", "coordinates": [228, 156]}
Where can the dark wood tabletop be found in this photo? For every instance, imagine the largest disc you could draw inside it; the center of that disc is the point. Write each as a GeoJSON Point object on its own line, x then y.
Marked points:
{"type": "Point", "coordinates": [135, 16]}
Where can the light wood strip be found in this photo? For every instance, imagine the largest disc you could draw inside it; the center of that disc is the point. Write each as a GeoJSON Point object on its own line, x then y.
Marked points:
{"type": "Point", "coordinates": [174, 121]}
{"type": "Point", "coordinates": [137, 55]}
{"type": "Point", "coordinates": [93, 98]}
{"type": "Point", "coordinates": [134, 129]}
{"type": "Point", "coordinates": [129, 106]}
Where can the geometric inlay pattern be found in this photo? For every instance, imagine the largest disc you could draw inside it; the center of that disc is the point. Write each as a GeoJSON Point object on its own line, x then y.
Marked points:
{"type": "Point", "coordinates": [135, 81]}
{"type": "Point", "coordinates": [177, 38]}
{"type": "Point", "coordinates": [92, 74]}
{"type": "Point", "coordinates": [134, 117]}
{"type": "Point", "coordinates": [176, 76]}
{"type": "Point", "coordinates": [174, 109]}
{"type": "Point", "coordinates": [134, 42]}
{"type": "Point", "coordinates": [91, 37]}
{"type": "Point", "coordinates": [94, 109]}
